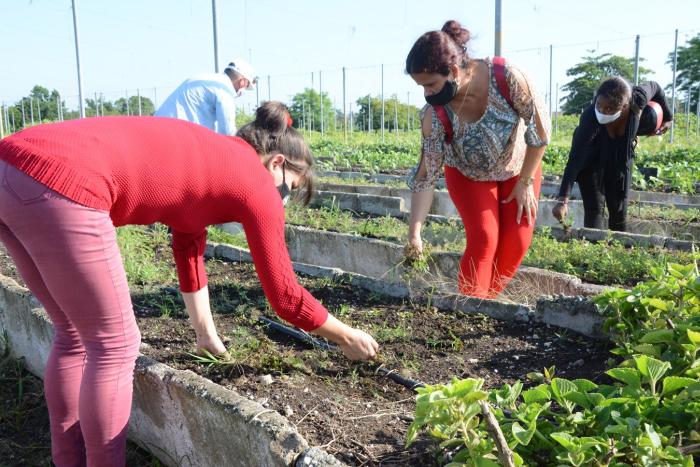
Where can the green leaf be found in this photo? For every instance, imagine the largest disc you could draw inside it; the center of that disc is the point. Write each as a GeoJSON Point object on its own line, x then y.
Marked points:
{"type": "Point", "coordinates": [561, 387]}
{"type": "Point", "coordinates": [657, 336]}
{"type": "Point", "coordinates": [565, 439]}
{"type": "Point", "coordinates": [647, 349]}
{"type": "Point", "coordinates": [694, 337]}
{"type": "Point", "coordinates": [579, 398]}
{"type": "Point", "coordinates": [521, 434]}
{"type": "Point", "coordinates": [674, 383]}
{"type": "Point", "coordinates": [538, 394]}
{"type": "Point", "coordinates": [482, 462]}
{"type": "Point", "coordinates": [656, 303]}
{"type": "Point", "coordinates": [585, 385]}
{"type": "Point", "coordinates": [629, 376]}
{"type": "Point", "coordinates": [653, 436]}
{"type": "Point", "coordinates": [656, 368]}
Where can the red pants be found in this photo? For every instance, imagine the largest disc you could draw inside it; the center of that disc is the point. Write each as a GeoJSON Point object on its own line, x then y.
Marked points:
{"type": "Point", "coordinates": [69, 258]}
{"type": "Point", "coordinates": [496, 244]}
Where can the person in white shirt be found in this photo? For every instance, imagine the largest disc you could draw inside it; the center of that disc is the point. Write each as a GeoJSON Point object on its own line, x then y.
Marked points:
{"type": "Point", "coordinates": [208, 99]}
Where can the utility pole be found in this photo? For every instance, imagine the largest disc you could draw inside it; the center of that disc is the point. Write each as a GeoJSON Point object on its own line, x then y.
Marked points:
{"type": "Point", "coordinates": [77, 60]}
{"type": "Point", "coordinates": [636, 60]}
{"type": "Point", "coordinates": [497, 47]}
{"type": "Point", "coordinates": [216, 36]}
{"type": "Point", "coordinates": [551, 48]}
{"type": "Point", "coordinates": [673, 86]}
{"type": "Point", "coordinates": [383, 103]}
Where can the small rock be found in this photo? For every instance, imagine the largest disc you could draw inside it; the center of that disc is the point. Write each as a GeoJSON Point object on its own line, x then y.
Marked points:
{"type": "Point", "coordinates": [535, 336]}
{"type": "Point", "coordinates": [288, 411]}
{"type": "Point", "coordinates": [547, 344]}
{"type": "Point", "coordinates": [578, 362]}
{"type": "Point", "coordinates": [473, 360]}
{"type": "Point", "coordinates": [516, 357]}
{"type": "Point", "coordinates": [306, 390]}
{"type": "Point", "coordinates": [265, 380]}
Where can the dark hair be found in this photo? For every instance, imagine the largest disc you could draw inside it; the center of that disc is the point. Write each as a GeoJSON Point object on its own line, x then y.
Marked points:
{"type": "Point", "coordinates": [459, 34]}
{"type": "Point", "coordinates": [231, 73]}
{"type": "Point", "coordinates": [271, 133]}
{"type": "Point", "coordinates": [437, 51]}
{"type": "Point", "coordinates": [615, 90]}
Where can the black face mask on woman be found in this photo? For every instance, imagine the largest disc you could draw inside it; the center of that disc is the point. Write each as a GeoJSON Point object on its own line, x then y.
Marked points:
{"type": "Point", "coordinates": [284, 190]}
{"type": "Point", "coordinates": [445, 95]}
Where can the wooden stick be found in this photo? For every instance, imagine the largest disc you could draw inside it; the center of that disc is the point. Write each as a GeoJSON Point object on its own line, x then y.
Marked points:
{"type": "Point", "coordinates": [690, 449]}
{"type": "Point", "coordinates": [505, 455]}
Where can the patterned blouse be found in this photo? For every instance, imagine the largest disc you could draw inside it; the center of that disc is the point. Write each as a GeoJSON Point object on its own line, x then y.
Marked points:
{"type": "Point", "coordinates": [493, 147]}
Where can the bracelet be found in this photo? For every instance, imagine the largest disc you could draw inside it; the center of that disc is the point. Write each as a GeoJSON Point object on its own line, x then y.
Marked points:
{"type": "Point", "coordinates": [527, 181]}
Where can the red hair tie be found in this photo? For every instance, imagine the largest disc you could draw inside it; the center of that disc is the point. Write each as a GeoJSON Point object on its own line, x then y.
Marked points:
{"type": "Point", "coordinates": [289, 120]}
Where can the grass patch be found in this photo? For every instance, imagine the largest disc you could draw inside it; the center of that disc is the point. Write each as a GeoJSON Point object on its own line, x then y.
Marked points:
{"type": "Point", "coordinates": [146, 254]}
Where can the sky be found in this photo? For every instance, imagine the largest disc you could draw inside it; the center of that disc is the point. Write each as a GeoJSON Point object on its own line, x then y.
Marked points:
{"type": "Point", "coordinates": [153, 45]}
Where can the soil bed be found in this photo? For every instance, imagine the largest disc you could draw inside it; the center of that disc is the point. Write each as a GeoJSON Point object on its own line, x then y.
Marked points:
{"type": "Point", "coordinates": [345, 407]}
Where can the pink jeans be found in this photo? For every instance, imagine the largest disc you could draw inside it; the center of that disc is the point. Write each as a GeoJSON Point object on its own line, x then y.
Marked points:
{"type": "Point", "coordinates": [68, 256]}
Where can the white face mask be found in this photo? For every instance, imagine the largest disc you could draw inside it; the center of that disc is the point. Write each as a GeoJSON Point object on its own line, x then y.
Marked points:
{"type": "Point", "coordinates": [605, 118]}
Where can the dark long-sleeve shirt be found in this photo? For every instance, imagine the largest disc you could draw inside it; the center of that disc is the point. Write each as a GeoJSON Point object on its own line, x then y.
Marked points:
{"type": "Point", "coordinates": [592, 145]}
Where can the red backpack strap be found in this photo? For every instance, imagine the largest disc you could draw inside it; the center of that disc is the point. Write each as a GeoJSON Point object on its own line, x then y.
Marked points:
{"type": "Point", "coordinates": [499, 69]}
{"type": "Point", "coordinates": [445, 120]}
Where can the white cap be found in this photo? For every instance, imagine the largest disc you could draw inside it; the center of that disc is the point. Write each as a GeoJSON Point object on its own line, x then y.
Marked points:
{"type": "Point", "coordinates": [245, 70]}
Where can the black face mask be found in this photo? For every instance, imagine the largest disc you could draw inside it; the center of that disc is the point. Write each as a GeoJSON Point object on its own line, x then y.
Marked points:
{"type": "Point", "coordinates": [284, 190]}
{"type": "Point", "coordinates": [445, 95]}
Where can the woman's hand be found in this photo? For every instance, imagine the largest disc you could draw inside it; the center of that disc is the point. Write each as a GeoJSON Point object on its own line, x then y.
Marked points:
{"type": "Point", "coordinates": [414, 248]}
{"type": "Point", "coordinates": [211, 344]}
{"type": "Point", "coordinates": [664, 128]}
{"type": "Point", "coordinates": [355, 344]}
{"type": "Point", "coordinates": [524, 195]}
{"type": "Point", "coordinates": [358, 345]}
{"type": "Point", "coordinates": [560, 211]}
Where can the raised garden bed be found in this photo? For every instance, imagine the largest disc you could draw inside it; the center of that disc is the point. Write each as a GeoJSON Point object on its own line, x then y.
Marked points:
{"type": "Point", "coordinates": [347, 408]}
{"type": "Point", "coordinates": [645, 217]}
{"type": "Point", "coordinates": [606, 262]}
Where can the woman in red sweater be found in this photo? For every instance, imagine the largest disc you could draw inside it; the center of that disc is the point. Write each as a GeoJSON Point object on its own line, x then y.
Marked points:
{"type": "Point", "coordinates": [66, 186]}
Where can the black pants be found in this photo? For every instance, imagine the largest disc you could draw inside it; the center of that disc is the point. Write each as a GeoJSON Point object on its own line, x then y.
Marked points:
{"type": "Point", "coordinates": [601, 186]}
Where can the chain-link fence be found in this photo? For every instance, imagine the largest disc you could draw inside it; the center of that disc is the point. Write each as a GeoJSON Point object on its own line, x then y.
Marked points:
{"type": "Point", "coordinates": [345, 99]}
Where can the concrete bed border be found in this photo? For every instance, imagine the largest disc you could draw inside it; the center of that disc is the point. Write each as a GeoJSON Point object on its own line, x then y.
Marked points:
{"type": "Point", "coordinates": [549, 189]}
{"type": "Point", "coordinates": [394, 204]}
{"type": "Point", "coordinates": [573, 312]}
{"type": "Point", "coordinates": [182, 418]}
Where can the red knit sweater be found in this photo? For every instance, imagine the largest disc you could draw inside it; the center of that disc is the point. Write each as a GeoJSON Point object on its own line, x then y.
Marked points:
{"type": "Point", "coordinates": [150, 169]}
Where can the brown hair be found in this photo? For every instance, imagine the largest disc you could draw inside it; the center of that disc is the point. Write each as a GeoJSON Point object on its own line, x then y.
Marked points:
{"type": "Point", "coordinates": [271, 134]}
{"type": "Point", "coordinates": [437, 51]}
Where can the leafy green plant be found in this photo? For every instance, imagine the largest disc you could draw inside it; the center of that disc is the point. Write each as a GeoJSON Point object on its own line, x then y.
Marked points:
{"type": "Point", "coordinates": [647, 416]}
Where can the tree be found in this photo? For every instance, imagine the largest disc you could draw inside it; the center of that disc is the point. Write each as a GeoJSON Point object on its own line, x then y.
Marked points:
{"type": "Point", "coordinates": [41, 103]}
{"type": "Point", "coordinates": [590, 73]}
{"type": "Point", "coordinates": [101, 107]}
{"type": "Point", "coordinates": [306, 110]}
{"type": "Point", "coordinates": [688, 69]}
{"type": "Point", "coordinates": [395, 113]}
{"type": "Point", "coordinates": [121, 108]}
